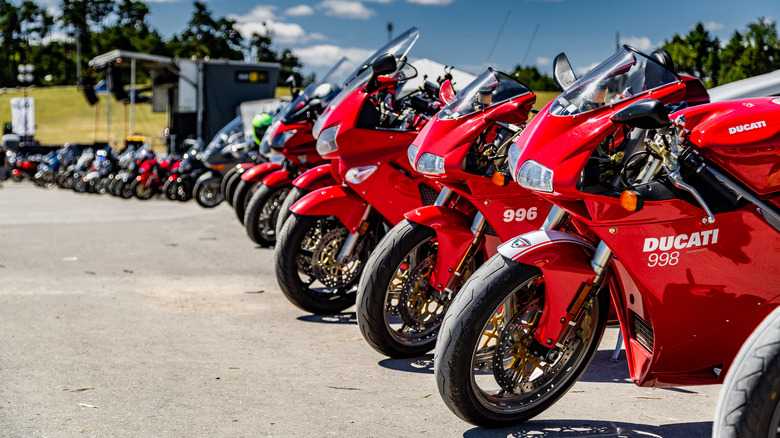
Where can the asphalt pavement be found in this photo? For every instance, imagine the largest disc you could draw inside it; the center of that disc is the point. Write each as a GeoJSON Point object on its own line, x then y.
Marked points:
{"type": "Point", "coordinates": [128, 318]}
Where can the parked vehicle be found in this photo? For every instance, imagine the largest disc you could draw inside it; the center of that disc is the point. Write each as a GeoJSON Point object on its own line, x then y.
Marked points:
{"type": "Point", "coordinates": [290, 135]}
{"type": "Point", "coordinates": [182, 180]}
{"type": "Point", "coordinates": [668, 215]}
{"type": "Point", "coordinates": [327, 238]}
{"type": "Point", "coordinates": [418, 267]}
{"type": "Point", "coordinates": [229, 147]}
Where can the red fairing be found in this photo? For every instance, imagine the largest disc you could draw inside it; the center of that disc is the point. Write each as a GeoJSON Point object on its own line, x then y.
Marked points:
{"type": "Point", "coordinates": [316, 178]}
{"type": "Point", "coordinates": [742, 137]}
{"type": "Point", "coordinates": [280, 178]}
{"type": "Point", "coordinates": [260, 171]}
{"type": "Point", "coordinates": [333, 201]}
{"type": "Point", "coordinates": [695, 92]}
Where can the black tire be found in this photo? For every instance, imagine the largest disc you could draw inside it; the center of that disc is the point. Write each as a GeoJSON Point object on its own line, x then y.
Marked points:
{"type": "Point", "coordinates": [748, 405]}
{"type": "Point", "coordinates": [102, 185]}
{"type": "Point", "coordinates": [472, 376]}
{"type": "Point", "coordinates": [169, 189]}
{"type": "Point", "coordinates": [398, 317]}
{"type": "Point", "coordinates": [79, 185]}
{"type": "Point", "coordinates": [141, 191]}
{"type": "Point", "coordinates": [125, 189]}
{"type": "Point", "coordinates": [300, 239]}
{"type": "Point", "coordinates": [207, 193]}
{"type": "Point", "coordinates": [261, 211]}
{"type": "Point", "coordinates": [243, 194]}
{"type": "Point", "coordinates": [223, 184]}
{"type": "Point", "coordinates": [231, 185]}
{"type": "Point", "coordinates": [292, 197]}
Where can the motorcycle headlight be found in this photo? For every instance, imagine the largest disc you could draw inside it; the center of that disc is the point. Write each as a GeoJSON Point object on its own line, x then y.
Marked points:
{"type": "Point", "coordinates": [534, 176]}
{"type": "Point", "coordinates": [282, 138]}
{"type": "Point", "coordinates": [326, 142]}
{"type": "Point", "coordinates": [430, 164]}
{"type": "Point", "coordinates": [357, 175]}
{"type": "Point", "coordinates": [512, 158]}
{"type": "Point", "coordinates": [411, 153]}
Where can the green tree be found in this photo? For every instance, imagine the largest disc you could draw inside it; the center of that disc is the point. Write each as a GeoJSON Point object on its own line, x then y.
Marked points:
{"type": "Point", "coordinates": [697, 53]}
{"type": "Point", "coordinates": [206, 36]}
{"type": "Point", "coordinates": [10, 33]}
{"type": "Point", "coordinates": [531, 77]}
{"type": "Point", "coordinates": [753, 53]}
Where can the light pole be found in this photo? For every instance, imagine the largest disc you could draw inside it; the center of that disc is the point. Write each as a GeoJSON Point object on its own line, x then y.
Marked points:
{"type": "Point", "coordinates": [25, 77]}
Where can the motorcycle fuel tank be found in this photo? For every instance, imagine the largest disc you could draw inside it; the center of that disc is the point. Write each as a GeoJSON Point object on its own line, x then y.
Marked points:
{"type": "Point", "coordinates": [743, 138]}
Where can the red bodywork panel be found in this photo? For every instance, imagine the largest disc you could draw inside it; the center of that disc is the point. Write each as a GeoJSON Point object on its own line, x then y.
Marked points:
{"type": "Point", "coordinates": [742, 137]}
{"type": "Point", "coordinates": [260, 171]}
{"type": "Point", "coordinates": [316, 178]}
{"type": "Point", "coordinates": [280, 178]}
{"type": "Point", "coordinates": [333, 201]}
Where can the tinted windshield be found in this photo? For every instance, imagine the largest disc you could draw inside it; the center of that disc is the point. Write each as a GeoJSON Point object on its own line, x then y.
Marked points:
{"type": "Point", "coordinates": [234, 126]}
{"type": "Point", "coordinates": [399, 47]}
{"type": "Point", "coordinates": [490, 88]}
{"type": "Point", "coordinates": [627, 73]}
{"type": "Point", "coordinates": [325, 90]}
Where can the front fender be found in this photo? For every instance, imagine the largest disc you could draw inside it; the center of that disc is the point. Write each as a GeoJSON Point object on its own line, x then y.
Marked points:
{"type": "Point", "coordinates": [564, 259]}
{"type": "Point", "coordinates": [280, 178]}
{"type": "Point", "coordinates": [207, 176]}
{"type": "Point", "coordinates": [260, 171]}
{"type": "Point", "coordinates": [454, 236]}
{"type": "Point", "coordinates": [337, 201]}
{"type": "Point", "coordinates": [316, 178]}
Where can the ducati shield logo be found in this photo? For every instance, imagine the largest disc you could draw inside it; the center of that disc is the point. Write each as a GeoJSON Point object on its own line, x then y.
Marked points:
{"type": "Point", "coordinates": [520, 243]}
{"type": "Point", "coordinates": [747, 127]}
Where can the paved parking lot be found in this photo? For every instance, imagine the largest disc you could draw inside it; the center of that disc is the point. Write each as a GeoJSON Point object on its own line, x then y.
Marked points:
{"type": "Point", "coordinates": [162, 319]}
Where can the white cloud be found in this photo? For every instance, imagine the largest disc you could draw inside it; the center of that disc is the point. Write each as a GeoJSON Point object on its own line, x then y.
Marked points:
{"type": "Point", "coordinates": [642, 43]}
{"type": "Point", "coordinates": [57, 36]}
{"type": "Point", "coordinates": [541, 61]}
{"type": "Point", "coordinates": [713, 26]}
{"type": "Point", "coordinates": [299, 11]}
{"type": "Point", "coordinates": [431, 2]}
{"type": "Point", "coordinates": [282, 33]}
{"type": "Point", "coordinates": [582, 70]}
{"type": "Point", "coordinates": [325, 55]}
{"type": "Point", "coordinates": [346, 9]}
{"type": "Point", "coordinates": [258, 14]}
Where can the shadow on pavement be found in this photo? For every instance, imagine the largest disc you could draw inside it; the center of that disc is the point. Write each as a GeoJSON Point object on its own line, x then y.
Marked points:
{"type": "Point", "coordinates": [338, 318]}
{"type": "Point", "coordinates": [422, 364]}
{"type": "Point", "coordinates": [585, 428]}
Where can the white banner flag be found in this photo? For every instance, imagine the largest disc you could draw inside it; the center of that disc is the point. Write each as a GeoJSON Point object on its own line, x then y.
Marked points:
{"type": "Point", "coordinates": [23, 115]}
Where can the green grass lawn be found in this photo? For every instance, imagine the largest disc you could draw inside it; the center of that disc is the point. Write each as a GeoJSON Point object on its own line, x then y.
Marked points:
{"type": "Point", "coordinates": [63, 115]}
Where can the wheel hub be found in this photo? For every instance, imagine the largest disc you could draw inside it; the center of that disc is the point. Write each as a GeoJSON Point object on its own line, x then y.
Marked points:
{"type": "Point", "coordinates": [325, 265]}
{"type": "Point", "coordinates": [417, 305]}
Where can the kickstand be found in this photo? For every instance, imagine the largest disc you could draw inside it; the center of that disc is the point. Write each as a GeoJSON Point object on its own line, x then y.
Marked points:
{"type": "Point", "coordinates": [618, 347]}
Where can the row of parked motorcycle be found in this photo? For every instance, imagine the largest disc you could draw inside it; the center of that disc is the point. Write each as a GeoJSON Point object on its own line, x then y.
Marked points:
{"type": "Point", "coordinates": [507, 238]}
{"type": "Point", "coordinates": [137, 171]}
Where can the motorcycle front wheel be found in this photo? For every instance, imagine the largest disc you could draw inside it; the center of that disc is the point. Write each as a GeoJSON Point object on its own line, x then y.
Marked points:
{"type": "Point", "coordinates": [169, 189]}
{"type": "Point", "coordinates": [231, 185]}
{"type": "Point", "coordinates": [398, 311]}
{"type": "Point", "coordinates": [141, 191]}
{"type": "Point", "coordinates": [489, 368]}
{"type": "Point", "coordinates": [207, 193]}
{"type": "Point", "coordinates": [292, 197]}
{"type": "Point", "coordinates": [261, 211]}
{"type": "Point", "coordinates": [748, 405]}
{"type": "Point", "coordinates": [306, 267]}
{"type": "Point", "coordinates": [243, 194]}
{"type": "Point", "coordinates": [125, 189]}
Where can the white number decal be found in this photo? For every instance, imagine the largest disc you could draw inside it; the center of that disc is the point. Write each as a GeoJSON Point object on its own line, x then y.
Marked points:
{"type": "Point", "coordinates": [520, 214]}
{"type": "Point", "coordinates": [663, 259]}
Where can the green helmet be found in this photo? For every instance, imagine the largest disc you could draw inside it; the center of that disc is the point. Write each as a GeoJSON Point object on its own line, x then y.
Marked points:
{"type": "Point", "coordinates": [260, 123]}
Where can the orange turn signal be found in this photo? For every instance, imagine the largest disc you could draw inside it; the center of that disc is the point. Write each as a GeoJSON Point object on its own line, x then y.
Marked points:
{"type": "Point", "coordinates": [631, 201]}
{"type": "Point", "coordinates": [500, 179]}
{"type": "Point", "coordinates": [218, 166]}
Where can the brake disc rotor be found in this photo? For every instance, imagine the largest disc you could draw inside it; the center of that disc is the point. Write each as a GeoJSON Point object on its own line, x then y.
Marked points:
{"type": "Point", "coordinates": [325, 265]}
{"type": "Point", "coordinates": [418, 307]}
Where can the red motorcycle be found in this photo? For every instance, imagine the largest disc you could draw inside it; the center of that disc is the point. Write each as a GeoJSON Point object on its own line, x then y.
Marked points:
{"type": "Point", "coordinates": [418, 267]}
{"type": "Point", "coordinates": [671, 219]}
{"type": "Point", "coordinates": [152, 176]}
{"type": "Point", "coordinates": [327, 238]}
{"type": "Point", "coordinates": [263, 188]}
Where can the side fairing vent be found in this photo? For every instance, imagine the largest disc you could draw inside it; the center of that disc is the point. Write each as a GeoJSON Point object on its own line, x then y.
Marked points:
{"type": "Point", "coordinates": [643, 333]}
{"type": "Point", "coordinates": [428, 195]}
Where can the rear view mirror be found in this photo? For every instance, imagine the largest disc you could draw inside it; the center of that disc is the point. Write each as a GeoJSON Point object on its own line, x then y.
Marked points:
{"type": "Point", "coordinates": [563, 74]}
{"type": "Point", "coordinates": [643, 114]}
{"type": "Point", "coordinates": [384, 64]}
{"type": "Point", "coordinates": [446, 92]}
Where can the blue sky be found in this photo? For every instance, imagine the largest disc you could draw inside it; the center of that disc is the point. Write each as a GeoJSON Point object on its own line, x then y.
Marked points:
{"type": "Point", "coordinates": [462, 32]}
